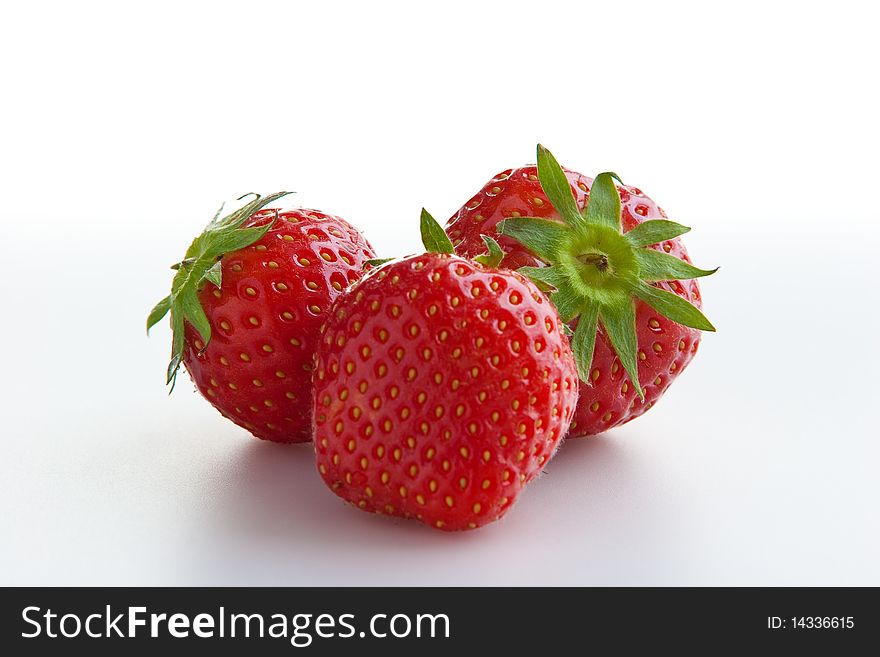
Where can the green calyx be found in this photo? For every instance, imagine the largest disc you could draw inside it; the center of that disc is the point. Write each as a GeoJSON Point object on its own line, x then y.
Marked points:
{"type": "Point", "coordinates": [435, 240]}
{"type": "Point", "coordinates": [596, 272]}
{"type": "Point", "coordinates": [200, 266]}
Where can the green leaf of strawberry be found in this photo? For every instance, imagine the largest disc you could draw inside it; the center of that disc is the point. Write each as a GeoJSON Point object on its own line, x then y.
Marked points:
{"type": "Point", "coordinates": [596, 271]}
{"type": "Point", "coordinates": [201, 265]}
{"type": "Point", "coordinates": [434, 237]}
{"type": "Point", "coordinates": [493, 256]}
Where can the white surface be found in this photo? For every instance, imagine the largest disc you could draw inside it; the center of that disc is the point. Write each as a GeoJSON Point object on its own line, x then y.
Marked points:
{"type": "Point", "coordinates": [122, 129]}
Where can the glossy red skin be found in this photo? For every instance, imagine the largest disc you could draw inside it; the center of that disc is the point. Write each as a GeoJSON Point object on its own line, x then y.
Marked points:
{"type": "Point", "coordinates": [257, 367]}
{"type": "Point", "coordinates": [665, 348]}
{"type": "Point", "coordinates": [407, 393]}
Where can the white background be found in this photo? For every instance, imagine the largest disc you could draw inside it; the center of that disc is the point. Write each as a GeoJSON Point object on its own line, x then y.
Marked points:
{"type": "Point", "coordinates": [124, 127]}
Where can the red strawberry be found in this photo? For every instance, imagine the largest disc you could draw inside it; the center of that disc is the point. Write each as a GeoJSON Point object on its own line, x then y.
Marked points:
{"type": "Point", "coordinates": [442, 387]}
{"type": "Point", "coordinates": [246, 306]}
{"type": "Point", "coordinates": [618, 268]}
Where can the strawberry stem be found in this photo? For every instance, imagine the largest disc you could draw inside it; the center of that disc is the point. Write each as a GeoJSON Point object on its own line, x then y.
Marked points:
{"type": "Point", "coordinates": [597, 260]}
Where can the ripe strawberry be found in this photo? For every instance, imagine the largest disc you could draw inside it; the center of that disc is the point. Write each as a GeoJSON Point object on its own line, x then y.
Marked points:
{"type": "Point", "coordinates": [246, 305]}
{"type": "Point", "coordinates": [442, 386]}
{"type": "Point", "coordinates": [625, 289]}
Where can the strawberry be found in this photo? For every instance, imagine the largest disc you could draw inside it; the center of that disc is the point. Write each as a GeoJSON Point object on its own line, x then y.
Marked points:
{"type": "Point", "coordinates": [618, 271]}
{"type": "Point", "coordinates": [442, 386]}
{"type": "Point", "coordinates": [246, 305]}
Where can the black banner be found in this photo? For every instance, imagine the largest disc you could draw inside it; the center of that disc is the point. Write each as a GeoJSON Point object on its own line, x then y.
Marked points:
{"type": "Point", "coordinates": [431, 621]}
